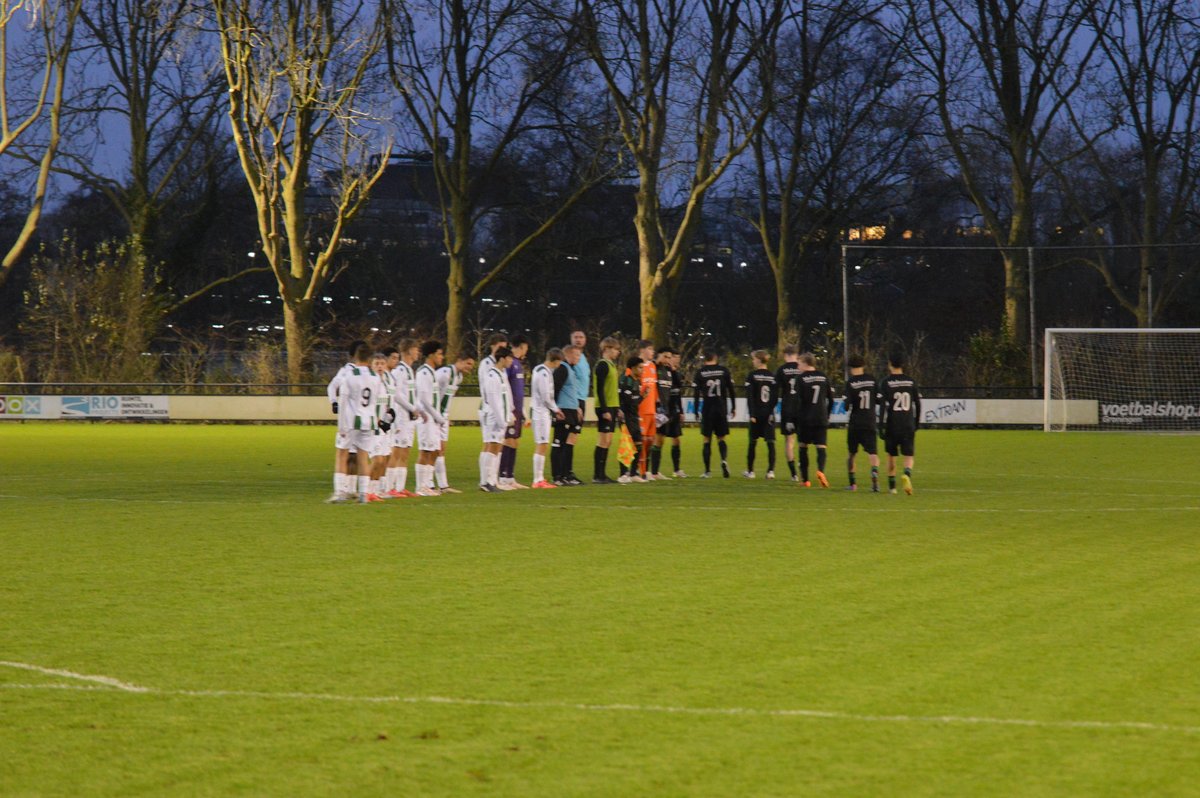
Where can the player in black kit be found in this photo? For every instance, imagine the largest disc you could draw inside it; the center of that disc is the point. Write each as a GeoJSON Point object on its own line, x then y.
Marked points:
{"type": "Point", "coordinates": [861, 395]}
{"type": "Point", "coordinates": [714, 405]}
{"type": "Point", "coordinates": [761, 395]}
{"type": "Point", "coordinates": [899, 413]}
{"type": "Point", "coordinates": [787, 380]}
{"type": "Point", "coordinates": [816, 400]}
{"type": "Point", "coordinates": [672, 425]}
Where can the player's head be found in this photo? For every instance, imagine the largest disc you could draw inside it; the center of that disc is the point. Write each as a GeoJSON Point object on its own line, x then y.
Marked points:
{"type": "Point", "coordinates": [495, 341]}
{"type": "Point", "coordinates": [379, 362]}
{"type": "Point", "coordinates": [504, 357]}
{"type": "Point", "coordinates": [610, 347]}
{"type": "Point", "coordinates": [571, 354]}
{"type": "Point", "coordinates": [645, 349]}
{"type": "Point", "coordinates": [856, 363]}
{"type": "Point", "coordinates": [896, 361]}
{"type": "Point", "coordinates": [759, 358]}
{"type": "Point", "coordinates": [393, 356]}
{"type": "Point", "coordinates": [664, 355]}
{"type": "Point", "coordinates": [361, 354]}
{"type": "Point", "coordinates": [791, 352]}
{"type": "Point", "coordinates": [410, 349]}
{"type": "Point", "coordinates": [578, 338]}
{"type": "Point", "coordinates": [354, 345]}
{"type": "Point", "coordinates": [808, 361]}
{"type": "Point", "coordinates": [464, 363]}
{"type": "Point", "coordinates": [554, 356]}
{"type": "Point", "coordinates": [432, 353]}
{"type": "Point", "coordinates": [634, 364]}
{"type": "Point", "coordinates": [519, 344]}
{"type": "Point", "coordinates": [711, 356]}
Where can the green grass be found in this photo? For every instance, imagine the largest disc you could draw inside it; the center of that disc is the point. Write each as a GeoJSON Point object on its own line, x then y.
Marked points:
{"type": "Point", "coordinates": [1042, 578]}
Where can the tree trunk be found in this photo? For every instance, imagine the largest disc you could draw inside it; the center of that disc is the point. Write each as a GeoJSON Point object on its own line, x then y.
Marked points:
{"type": "Point", "coordinates": [783, 302]}
{"type": "Point", "coordinates": [1016, 296]}
{"type": "Point", "coordinates": [457, 308]}
{"type": "Point", "coordinates": [655, 305]}
{"type": "Point", "coordinates": [297, 327]}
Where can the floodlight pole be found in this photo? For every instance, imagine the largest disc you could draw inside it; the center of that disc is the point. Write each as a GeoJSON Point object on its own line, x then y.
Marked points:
{"type": "Point", "coordinates": [845, 318]}
{"type": "Point", "coordinates": [1033, 365]}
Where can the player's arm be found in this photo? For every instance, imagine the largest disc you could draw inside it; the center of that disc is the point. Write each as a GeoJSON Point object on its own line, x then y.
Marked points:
{"type": "Point", "coordinates": [432, 409]}
{"type": "Point", "coordinates": [916, 408]}
{"type": "Point", "coordinates": [730, 394]}
{"type": "Point", "coordinates": [334, 389]}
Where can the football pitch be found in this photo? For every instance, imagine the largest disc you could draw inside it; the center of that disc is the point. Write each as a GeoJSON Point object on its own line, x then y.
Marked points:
{"type": "Point", "coordinates": [180, 614]}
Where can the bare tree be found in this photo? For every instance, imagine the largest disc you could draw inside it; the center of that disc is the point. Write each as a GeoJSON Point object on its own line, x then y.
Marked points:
{"type": "Point", "coordinates": [298, 76]}
{"type": "Point", "coordinates": [1140, 136]}
{"type": "Point", "coordinates": [475, 77]}
{"type": "Point", "coordinates": [676, 72]}
{"type": "Point", "coordinates": [29, 98]}
{"type": "Point", "coordinates": [153, 71]}
{"type": "Point", "coordinates": [841, 126]}
{"type": "Point", "coordinates": [1000, 72]}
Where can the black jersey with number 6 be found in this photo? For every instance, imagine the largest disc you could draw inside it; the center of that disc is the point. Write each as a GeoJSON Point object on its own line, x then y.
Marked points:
{"type": "Point", "coordinates": [760, 393]}
{"type": "Point", "coordinates": [861, 395]}
{"type": "Point", "coordinates": [899, 405]}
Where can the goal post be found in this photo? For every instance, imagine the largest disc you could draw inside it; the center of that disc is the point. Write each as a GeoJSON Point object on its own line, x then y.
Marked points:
{"type": "Point", "coordinates": [1122, 379]}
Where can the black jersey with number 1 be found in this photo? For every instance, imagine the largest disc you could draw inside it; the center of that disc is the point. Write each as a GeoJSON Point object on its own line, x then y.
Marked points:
{"type": "Point", "coordinates": [787, 379]}
{"type": "Point", "coordinates": [761, 393]}
{"type": "Point", "coordinates": [861, 401]}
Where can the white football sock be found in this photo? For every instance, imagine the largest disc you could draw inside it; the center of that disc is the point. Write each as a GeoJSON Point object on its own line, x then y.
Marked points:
{"type": "Point", "coordinates": [539, 468]}
{"type": "Point", "coordinates": [494, 468]}
{"type": "Point", "coordinates": [439, 467]}
{"type": "Point", "coordinates": [364, 486]}
{"type": "Point", "coordinates": [484, 468]}
{"type": "Point", "coordinates": [401, 478]}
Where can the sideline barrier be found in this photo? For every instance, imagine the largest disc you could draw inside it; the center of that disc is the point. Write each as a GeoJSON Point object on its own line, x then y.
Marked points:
{"type": "Point", "coordinates": [934, 411]}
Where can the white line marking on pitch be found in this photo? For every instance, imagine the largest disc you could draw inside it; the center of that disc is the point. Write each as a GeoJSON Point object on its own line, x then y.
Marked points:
{"type": "Point", "coordinates": [105, 683]}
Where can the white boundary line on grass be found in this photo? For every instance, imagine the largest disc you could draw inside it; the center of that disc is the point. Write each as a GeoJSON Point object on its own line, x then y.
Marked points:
{"type": "Point", "coordinates": [109, 684]}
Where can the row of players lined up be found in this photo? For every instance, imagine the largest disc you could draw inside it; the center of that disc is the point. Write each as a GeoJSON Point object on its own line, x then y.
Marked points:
{"type": "Point", "coordinates": [388, 401]}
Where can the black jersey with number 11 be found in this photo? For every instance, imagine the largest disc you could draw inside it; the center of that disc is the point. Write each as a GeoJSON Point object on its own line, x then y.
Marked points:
{"type": "Point", "coordinates": [861, 401]}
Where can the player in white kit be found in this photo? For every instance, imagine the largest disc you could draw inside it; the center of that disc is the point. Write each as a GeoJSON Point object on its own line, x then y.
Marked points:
{"type": "Point", "coordinates": [429, 430]}
{"type": "Point", "coordinates": [449, 378]}
{"type": "Point", "coordinates": [358, 420]}
{"type": "Point", "coordinates": [542, 412]}
{"type": "Point", "coordinates": [343, 483]}
{"type": "Point", "coordinates": [495, 415]}
{"type": "Point", "coordinates": [402, 361]}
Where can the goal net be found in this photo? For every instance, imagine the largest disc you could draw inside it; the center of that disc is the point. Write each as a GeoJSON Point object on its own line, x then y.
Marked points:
{"type": "Point", "coordinates": [1122, 379]}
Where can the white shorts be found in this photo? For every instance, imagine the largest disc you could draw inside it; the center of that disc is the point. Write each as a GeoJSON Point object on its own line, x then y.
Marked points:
{"type": "Point", "coordinates": [444, 429]}
{"type": "Point", "coordinates": [383, 444]}
{"type": "Point", "coordinates": [429, 435]}
{"type": "Point", "coordinates": [493, 428]}
{"type": "Point", "coordinates": [402, 434]}
{"type": "Point", "coordinates": [356, 440]}
{"type": "Point", "coordinates": [543, 424]}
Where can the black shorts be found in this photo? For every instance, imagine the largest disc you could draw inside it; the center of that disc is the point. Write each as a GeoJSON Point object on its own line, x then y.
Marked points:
{"type": "Point", "coordinates": [789, 421]}
{"type": "Point", "coordinates": [673, 428]}
{"type": "Point", "coordinates": [815, 435]}
{"type": "Point", "coordinates": [609, 425]}
{"type": "Point", "coordinates": [714, 422]}
{"type": "Point", "coordinates": [762, 428]}
{"type": "Point", "coordinates": [856, 437]}
{"type": "Point", "coordinates": [514, 430]}
{"type": "Point", "coordinates": [900, 443]}
{"type": "Point", "coordinates": [570, 421]}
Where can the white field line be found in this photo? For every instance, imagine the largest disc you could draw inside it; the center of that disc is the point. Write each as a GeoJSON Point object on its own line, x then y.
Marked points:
{"type": "Point", "coordinates": [658, 709]}
{"type": "Point", "coordinates": [107, 681]}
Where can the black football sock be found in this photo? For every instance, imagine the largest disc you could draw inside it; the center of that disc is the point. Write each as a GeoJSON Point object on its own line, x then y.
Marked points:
{"type": "Point", "coordinates": [891, 482]}
{"type": "Point", "coordinates": [804, 464]}
{"type": "Point", "coordinates": [598, 457]}
{"type": "Point", "coordinates": [908, 472]}
{"type": "Point", "coordinates": [723, 447]}
{"type": "Point", "coordinates": [750, 455]}
{"type": "Point", "coordinates": [655, 458]}
{"type": "Point", "coordinates": [850, 469]}
{"type": "Point", "coordinates": [508, 461]}
{"type": "Point", "coordinates": [770, 455]}
{"type": "Point", "coordinates": [556, 461]}
{"type": "Point", "coordinates": [675, 455]}
{"type": "Point", "coordinates": [875, 476]}
{"type": "Point", "coordinates": [792, 467]}
{"type": "Point", "coordinates": [821, 459]}
{"type": "Point", "coordinates": [621, 466]}
{"type": "Point", "coordinates": [568, 459]}
{"type": "Point", "coordinates": [706, 453]}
